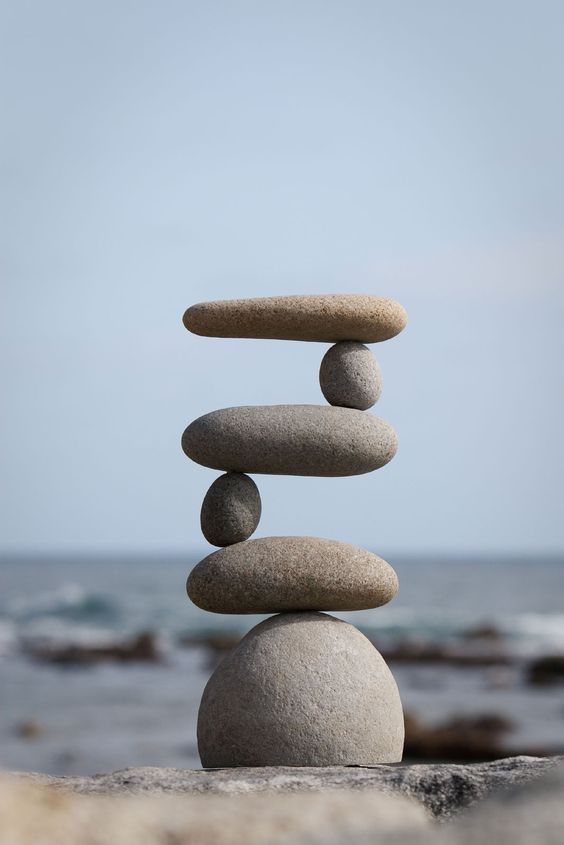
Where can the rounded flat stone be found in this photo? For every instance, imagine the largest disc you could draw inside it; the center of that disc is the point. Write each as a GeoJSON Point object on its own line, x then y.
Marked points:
{"type": "Point", "coordinates": [349, 376]}
{"type": "Point", "coordinates": [290, 440]}
{"type": "Point", "coordinates": [323, 317]}
{"type": "Point", "coordinates": [273, 574]}
{"type": "Point", "coordinates": [231, 509]}
{"type": "Point", "coordinates": [301, 689]}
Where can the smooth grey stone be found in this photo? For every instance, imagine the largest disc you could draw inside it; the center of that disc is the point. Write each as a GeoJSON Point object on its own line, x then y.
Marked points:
{"type": "Point", "coordinates": [322, 317]}
{"type": "Point", "coordinates": [443, 788]}
{"type": "Point", "coordinates": [301, 689]}
{"type": "Point", "coordinates": [290, 440]}
{"type": "Point", "coordinates": [231, 509]}
{"type": "Point", "coordinates": [349, 376]}
{"type": "Point", "coordinates": [273, 574]}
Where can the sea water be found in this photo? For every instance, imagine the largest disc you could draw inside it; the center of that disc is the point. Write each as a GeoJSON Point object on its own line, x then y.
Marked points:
{"type": "Point", "coordinates": [116, 715]}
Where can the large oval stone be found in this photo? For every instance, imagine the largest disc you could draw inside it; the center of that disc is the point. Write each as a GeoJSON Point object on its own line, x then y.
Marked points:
{"type": "Point", "coordinates": [290, 440]}
{"type": "Point", "coordinates": [301, 689]}
{"type": "Point", "coordinates": [323, 317]}
{"type": "Point", "coordinates": [273, 574]}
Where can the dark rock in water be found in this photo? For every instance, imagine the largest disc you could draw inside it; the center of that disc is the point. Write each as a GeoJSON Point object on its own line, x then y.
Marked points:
{"type": "Point", "coordinates": [461, 738]}
{"type": "Point", "coordinates": [414, 651]}
{"type": "Point", "coordinates": [405, 651]}
{"type": "Point", "coordinates": [143, 648]}
{"type": "Point", "coordinates": [485, 632]}
{"type": "Point", "coordinates": [444, 789]}
{"type": "Point", "coordinates": [29, 729]}
{"type": "Point", "coordinates": [217, 641]}
{"type": "Point", "coordinates": [218, 644]}
{"type": "Point", "coordinates": [546, 670]}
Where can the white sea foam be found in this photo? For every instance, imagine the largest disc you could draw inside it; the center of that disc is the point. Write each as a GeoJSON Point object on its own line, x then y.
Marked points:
{"type": "Point", "coordinates": [110, 600]}
{"type": "Point", "coordinates": [537, 631]}
{"type": "Point", "coordinates": [8, 637]}
{"type": "Point", "coordinates": [61, 632]}
{"type": "Point", "coordinates": [52, 601]}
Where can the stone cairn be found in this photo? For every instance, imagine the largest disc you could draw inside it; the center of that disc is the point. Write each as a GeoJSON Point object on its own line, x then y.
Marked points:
{"type": "Point", "coordinates": [302, 688]}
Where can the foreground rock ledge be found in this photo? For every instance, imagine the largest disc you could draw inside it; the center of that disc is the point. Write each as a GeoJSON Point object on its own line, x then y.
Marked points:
{"type": "Point", "coordinates": [443, 788]}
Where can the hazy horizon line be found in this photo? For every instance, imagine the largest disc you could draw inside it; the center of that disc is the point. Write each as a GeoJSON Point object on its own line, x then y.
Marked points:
{"type": "Point", "coordinates": [12, 555]}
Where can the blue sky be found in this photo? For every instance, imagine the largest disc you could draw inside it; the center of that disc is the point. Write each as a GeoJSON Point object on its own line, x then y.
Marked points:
{"type": "Point", "coordinates": [156, 154]}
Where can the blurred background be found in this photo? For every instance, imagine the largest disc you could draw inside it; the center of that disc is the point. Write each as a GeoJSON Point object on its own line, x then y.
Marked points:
{"type": "Point", "coordinates": [156, 154]}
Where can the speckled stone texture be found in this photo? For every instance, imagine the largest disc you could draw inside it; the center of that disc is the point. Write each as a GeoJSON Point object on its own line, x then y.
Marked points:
{"type": "Point", "coordinates": [35, 814]}
{"type": "Point", "coordinates": [231, 509]}
{"type": "Point", "coordinates": [443, 788]}
{"type": "Point", "coordinates": [290, 440]}
{"type": "Point", "coordinates": [528, 814]}
{"type": "Point", "coordinates": [325, 317]}
{"type": "Point", "coordinates": [274, 574]}
{"type": "Point", "coordinates": [349, 376]}
{"type": "Point", "coordinates": [301, 689]}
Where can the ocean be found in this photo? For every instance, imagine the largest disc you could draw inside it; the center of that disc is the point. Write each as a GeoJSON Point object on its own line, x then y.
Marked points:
{"type": "Point", "coordinates": [86, 719]}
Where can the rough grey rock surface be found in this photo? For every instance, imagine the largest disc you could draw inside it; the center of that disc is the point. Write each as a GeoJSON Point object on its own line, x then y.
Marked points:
{"type": "Point", "coordinates": [527, 814]}
{"type": "Point", "coordinates": [324, 317]}
{"type": "Point", "coordinates": [349, 376]}
{"type": "Point", "coordinates": [290, 440]}
{"type": "Point", "coordinates": [274, 574]}
{"type": "Point", "coordinates": [231, 509]}
{"type": "Point", "coordinates": [32, 814]}
{"type": "Point", "coordinates": [444, 788]}
{"type": "Point", "coordinates": [301, 689]}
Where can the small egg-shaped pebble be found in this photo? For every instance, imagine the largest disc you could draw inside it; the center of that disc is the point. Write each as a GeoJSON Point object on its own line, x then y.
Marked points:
{"type": "Point", "coordinates": [350, 376]}
{"type": "Point", "coordinates": [231, 509]}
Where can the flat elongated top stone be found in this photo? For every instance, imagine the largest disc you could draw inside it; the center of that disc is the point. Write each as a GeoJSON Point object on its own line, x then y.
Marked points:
{"type": "Point", "coordinates": [290, 440]}
{"type": "Point", "coordinates": [324, 317]}
{"type": "Point", "coordinates": [275, 574]}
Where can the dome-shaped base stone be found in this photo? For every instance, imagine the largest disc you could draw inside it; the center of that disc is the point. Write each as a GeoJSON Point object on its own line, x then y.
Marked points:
{"type": "Point", "coordinates": [301, 689]}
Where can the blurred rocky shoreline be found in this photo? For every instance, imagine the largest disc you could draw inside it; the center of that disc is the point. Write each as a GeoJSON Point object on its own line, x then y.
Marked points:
{"type": "Point", "coordinates": [104, 660]}
{"type": "Point", "coordinates": [460, 737]}
{"type": "Point", "coordinates": [480, 647]}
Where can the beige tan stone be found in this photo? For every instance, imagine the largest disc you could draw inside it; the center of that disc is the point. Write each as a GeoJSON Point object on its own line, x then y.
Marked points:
{"type": "Point", "coordinates": [322, 317]}
{"type": "Point", "coordinates": [301, 689]}
{"type": "Point", "coordinates": [39, 815]}
{"type": "Point", "coordinates": [274, 574]}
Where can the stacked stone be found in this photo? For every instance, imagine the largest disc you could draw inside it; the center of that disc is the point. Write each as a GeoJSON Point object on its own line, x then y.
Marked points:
{"type": "Point", "coordinates": [302, 688]}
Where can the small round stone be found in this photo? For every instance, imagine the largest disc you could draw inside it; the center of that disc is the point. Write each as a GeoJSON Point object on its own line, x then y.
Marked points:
{"type": "Point", "coordinates": [350, 376]}
{"type": "Point", "coordinates": [301, 689]}
{"type": "Point", "coordinates": [231, 509]}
